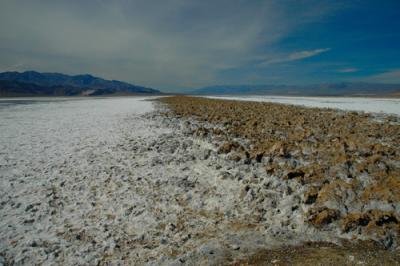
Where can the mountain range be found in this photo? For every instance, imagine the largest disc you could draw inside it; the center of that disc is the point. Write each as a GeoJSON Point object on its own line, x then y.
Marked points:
{"type": "Point", "coordinates": [32, 83]}
{"type": "Point", "coordinates": [326, 89]}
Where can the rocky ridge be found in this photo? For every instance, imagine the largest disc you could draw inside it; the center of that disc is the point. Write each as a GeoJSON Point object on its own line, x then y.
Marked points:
{"type": "Point", "coordinates": [341, 167]}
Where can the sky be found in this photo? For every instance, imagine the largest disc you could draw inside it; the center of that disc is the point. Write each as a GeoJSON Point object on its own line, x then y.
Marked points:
{"type": "Point", "coordinates": [175, 45]}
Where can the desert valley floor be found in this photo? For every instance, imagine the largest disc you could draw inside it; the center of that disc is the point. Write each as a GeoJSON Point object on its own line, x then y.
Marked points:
{"type": "Point", "coordinates": [137, 181]}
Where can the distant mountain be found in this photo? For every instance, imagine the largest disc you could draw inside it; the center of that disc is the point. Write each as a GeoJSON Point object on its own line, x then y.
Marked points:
{"type": "Point", "coordinates": [327, 89]}
{"type": "Point", "coordinates": [32, 83]}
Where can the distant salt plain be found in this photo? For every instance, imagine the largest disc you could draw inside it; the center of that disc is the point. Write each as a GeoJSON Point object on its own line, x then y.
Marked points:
{"type": "Point", "coordinates": [369, 105]}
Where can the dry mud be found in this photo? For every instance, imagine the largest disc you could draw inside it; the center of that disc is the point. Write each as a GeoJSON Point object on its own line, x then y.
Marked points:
{"type": "Point", "coordinates": [97, 183]}
{"type": "Point", "coordinates": [337, 172]}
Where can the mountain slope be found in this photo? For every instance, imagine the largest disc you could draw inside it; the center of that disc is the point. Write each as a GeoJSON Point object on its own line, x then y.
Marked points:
{"type": "Point", "coordinates": [56, 84]}
{"type": "Point", "coordinates": [327, 89]}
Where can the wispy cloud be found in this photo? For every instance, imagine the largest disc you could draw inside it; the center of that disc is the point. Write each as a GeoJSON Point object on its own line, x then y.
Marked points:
{"type": "Point", "coordinates": [392, 76]}
{"type": "Point", "coordinates": [348, 70]}
{"type": "Point", "coordinates": [293, 56]}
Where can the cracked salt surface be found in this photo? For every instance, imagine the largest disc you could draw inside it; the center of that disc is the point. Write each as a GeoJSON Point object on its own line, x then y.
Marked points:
{"type": "Point", "coordinates": [53, 154]}
{"type": "Point", "coordinates": [93, 181]}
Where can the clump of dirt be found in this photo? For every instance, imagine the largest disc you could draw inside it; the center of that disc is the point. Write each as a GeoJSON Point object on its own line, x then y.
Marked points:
{"type": "Point", "coordinates": [371, 220]}
{"type": "Point", "coordinates": [348, 163]}
{"type": "Point", "coordinates": [322, 216]}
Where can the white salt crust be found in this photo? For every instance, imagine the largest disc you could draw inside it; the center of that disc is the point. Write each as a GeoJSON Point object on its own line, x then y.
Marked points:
{"type": "Point", "coordinates": [92, 181]}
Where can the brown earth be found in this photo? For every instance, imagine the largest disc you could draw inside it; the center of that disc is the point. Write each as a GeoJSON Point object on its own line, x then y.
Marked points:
{"type": "Point", "coordinates": [363, 253]}
{"type": "Point", "coordinates": [349, 161]}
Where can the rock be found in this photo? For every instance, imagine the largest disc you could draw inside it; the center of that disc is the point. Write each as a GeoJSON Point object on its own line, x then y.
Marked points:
{"type": "Point", "coordinates": [279, 148]}
{"type": "Point", "coordinates": [235, 157]}
{"type": "Point", "coordinates": [311, 195]}
{"type": "Point", "coordinates": [227, 147]}
{"type": "Point", "coordinates": [238, 176]}
{"type": "Point", "coordinates": [295, 174]}
{"type": "Point", "coordinates": [225, 175]}
{"type": "Point", "coordinates": [235, 247]}
{"type": "Point", "coordinates": [374, 220]}
{"type": "Point", "coordinates": [270, 169]}
{"type": "Point", "coordinates": [259, 157]}
{"type": "Point", "coordinates": [206, 154]}
{"type": "Point", "coordinates": [322, 216]}
{"type": "Point", "coordinates": [354, 220]}
{"type": "Point", "coordinates": [253, 179]}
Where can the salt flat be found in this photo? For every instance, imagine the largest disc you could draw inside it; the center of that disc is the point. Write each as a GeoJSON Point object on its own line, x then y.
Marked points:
{"type": "Point", "coordinates": [371, 105]}
{"type": "Point", "coordinates": [49, 145]}
{"type": "Point", "coordinates": [117, 180]}
{"type": "Point", "coordinates": [94, 181]}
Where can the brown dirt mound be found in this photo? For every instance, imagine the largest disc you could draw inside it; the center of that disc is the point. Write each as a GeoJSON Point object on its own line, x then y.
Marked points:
{"type": "Point", "coordinates": [346, 159]}
{"type": "Point", "coordinates": [363, 253]}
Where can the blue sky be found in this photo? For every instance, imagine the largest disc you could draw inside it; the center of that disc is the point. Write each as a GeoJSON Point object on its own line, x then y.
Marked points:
{"type": "Point", "coordinates": [180, 44]}
{"type": "Point", "coordinates": [359, 41]}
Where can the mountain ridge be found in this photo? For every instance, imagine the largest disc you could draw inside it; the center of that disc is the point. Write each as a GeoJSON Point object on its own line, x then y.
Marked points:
{"type": "Point", "coordinates": [33, 83]}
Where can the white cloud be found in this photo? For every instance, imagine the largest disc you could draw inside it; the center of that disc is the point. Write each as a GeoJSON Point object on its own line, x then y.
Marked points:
{"type": "Point", "coordinates": [294, 56]}
{"type": "Point", "coordinates": [348, 70]}
{"type": "Point", "coordinates": [163, 44]}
